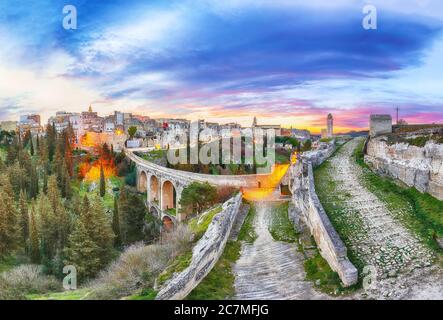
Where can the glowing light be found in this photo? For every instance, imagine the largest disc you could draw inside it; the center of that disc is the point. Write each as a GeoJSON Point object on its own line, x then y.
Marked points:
{"type": "Point", "coordinates": [267, 185]}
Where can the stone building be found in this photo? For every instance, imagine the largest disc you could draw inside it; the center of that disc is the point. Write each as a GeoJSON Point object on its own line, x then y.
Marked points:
{"type": "Point", "coordinates": [330, 126]}
{"type": "Point", "coordinates": [380, 124]}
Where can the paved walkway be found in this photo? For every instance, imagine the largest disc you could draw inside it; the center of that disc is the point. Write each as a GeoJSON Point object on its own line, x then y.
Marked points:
{"type": "Point", "coordinates": [269, 269]}
{"type": "Point", "coordinates": [374, 235]}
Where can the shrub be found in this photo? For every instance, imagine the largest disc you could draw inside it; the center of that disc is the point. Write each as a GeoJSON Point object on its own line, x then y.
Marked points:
{"type": "Point", "coordinates": [26, 279]}
{"type": "Point", "coordinates": [139, 265]}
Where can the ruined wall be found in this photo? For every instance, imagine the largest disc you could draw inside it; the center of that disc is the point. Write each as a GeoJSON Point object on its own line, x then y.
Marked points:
{"type": "Point", "coordinates": [307, 207]}
{"type": "Point", "coordinates": [419, 167]}
{"type": "Point", "coordinates": [205, 254]}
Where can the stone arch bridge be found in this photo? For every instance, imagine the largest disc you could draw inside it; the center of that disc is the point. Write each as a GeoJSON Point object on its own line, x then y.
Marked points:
{"type": "Point", "coordinates": [164, 186]}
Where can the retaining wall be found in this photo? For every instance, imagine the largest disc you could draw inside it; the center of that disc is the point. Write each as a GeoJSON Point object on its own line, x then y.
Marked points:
{"type": "Point", "coordinates": [205, 253]}
{"type": "Point", "coordinates": [307, 207]}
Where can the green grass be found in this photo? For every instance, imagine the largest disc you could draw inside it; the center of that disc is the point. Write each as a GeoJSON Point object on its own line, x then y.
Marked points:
{"type": "Point", "coordinates": [153, 155]}
{"type": "Point", "coordinates": [147, 294]}
{"type": "Point", "coordinates": [219, 283]}
{"type": "Point", "coordinates": [82, 189]}
{"type": "Point", "coordinates": [79, 294]}
{"type": "Point", "coordinates": [282, 158]}
{"type": "Point", "coordinates": [3, 152]}
{"type": "Point", "coordinates": [325, 279]}
{"type": "Point", "coordinates": [171, 211]}
{"type": "Point", "coordinates": [419, 212]}
{"type": "Point", "coordinates": [180, 263]}
{"type": "Point", "coordinates": [200, 224]}
{"type": "Point", "coordinates": [280, 227]}
{"type": "Point", "coordinates": [247, 231]}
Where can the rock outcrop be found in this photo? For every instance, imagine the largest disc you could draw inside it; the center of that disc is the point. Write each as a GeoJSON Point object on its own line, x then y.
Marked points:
{"type": "Point", "coordinates": [419, 167]}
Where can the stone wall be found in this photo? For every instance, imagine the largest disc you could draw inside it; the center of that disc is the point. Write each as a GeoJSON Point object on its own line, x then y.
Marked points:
{"type": "Point", "coordinates": [319, 155]}
{"type": "Point", "coordinates": [419, 167]}
{"type": "Point", "coordinates": [205, 253]}
{"type": "Point", "coordinates": [380, 124]}
{"type": "Point", "coordinates": [307, 208]}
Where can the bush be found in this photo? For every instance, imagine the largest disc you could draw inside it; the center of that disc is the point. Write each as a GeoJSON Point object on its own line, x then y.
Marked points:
{"type": "Point", "coordinates": [26, 279]}
{"type": "Point", "coordinates": [139, 265]}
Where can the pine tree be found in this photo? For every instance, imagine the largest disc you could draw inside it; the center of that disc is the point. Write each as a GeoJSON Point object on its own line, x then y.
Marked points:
{"type": "Point", "coordinates": [102, 182]}
{"type": "Point", "coordinates": [54, 221]}
{"type": "Point", "coordinates": [132, 217]}
{"type": "Point", "coordinates": [116, 225]}
{"type": "Point", "coordinates": [9, 222]}
{"type": "Point", "coordinates": [82, 252]}
{"type": "Point", "coordinates": [34, 245]}
{"type": "Point", "coordinates": [90, 244]}
{"type": "Point", "coordinates": [100, 229]}
{"type": "Point", "coordinates": [24, 216]}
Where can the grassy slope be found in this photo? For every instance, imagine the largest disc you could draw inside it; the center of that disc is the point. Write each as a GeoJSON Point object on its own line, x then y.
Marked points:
{"type": "Point", "coordinates": [421, 212]}
{"type": "Point", "coordinates": [247, 231]}
{"type": "Point", "coordinates": [78, 294]}
{"type": "Point", "coordinates": [418, 212]}
{"type": "Point", "coordinates": [219, 283]}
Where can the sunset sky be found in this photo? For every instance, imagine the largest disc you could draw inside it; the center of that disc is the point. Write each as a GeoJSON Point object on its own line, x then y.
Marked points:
{"type": "Point", "coordinates": [287, 62]}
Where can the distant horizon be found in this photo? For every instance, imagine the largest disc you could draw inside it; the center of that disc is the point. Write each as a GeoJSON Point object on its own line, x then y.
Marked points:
{"type": "Point", "coordinates": [286, 62]}
{"type": "Point", "coordinates": [312, 130]}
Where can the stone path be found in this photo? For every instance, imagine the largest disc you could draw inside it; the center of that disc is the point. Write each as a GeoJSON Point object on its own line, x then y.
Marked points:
{"type": "Point", "coordinates": [269, 269]}
{"type": "Point", "coordinates": [400, 259]}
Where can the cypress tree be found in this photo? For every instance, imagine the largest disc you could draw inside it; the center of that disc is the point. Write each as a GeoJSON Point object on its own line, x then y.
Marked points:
{"type": "Point", "coordinates": [31, 148]}
{"type": "Point", "coordinates": [102, 182]}
{"type": "Point", "coordinates": [33, 182]}
{"type": "Point", "coordinates": [67, 191]}
{"type": "Point", "coordinates": [34, 245]}
{"type": "Point", "coordinates": [116, 225]}
{"type": "Point", "coordinates": [24, 216]}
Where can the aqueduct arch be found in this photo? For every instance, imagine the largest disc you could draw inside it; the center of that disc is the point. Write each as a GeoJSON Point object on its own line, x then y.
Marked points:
{"type": "Point", "coordinates": [142, 184]}
{"type": "Point", "coordinates": [154, 186]}
{"type": "Point", "coordinates": [169, 195]}
{"type": "Point", "coordinates": [168, 224]}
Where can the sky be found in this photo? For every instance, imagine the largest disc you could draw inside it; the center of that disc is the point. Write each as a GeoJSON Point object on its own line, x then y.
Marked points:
{"type": "Point", "coordinates": [286, 62]}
